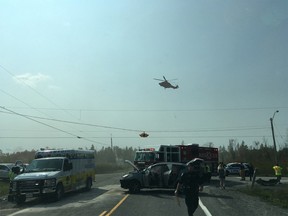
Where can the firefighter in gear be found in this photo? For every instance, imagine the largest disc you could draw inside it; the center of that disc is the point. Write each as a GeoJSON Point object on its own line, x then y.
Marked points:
{"type": "Point", "coordinates": [278, 172]}
{"type": "Point", "coordinates": [190, 181]}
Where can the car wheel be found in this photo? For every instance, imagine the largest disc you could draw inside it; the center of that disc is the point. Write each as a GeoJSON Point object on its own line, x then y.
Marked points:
{"type": "Point", "coordinates": [59, 192]}
{"type": "Point", "coordinates": [134, 187]}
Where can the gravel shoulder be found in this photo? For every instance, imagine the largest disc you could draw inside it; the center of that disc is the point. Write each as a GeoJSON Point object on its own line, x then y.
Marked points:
{"type": "Point", "coordinates": [232, 202]}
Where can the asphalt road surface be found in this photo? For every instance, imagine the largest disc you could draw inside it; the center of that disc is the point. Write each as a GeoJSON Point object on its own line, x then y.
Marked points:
{"type": "Point", "coordinates": [107, 198]}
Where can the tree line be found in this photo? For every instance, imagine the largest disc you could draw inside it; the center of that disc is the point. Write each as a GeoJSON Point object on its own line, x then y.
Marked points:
{"type": "Point", "coordinates": [260, 154]}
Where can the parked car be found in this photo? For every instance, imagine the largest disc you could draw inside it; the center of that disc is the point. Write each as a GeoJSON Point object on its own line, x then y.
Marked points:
{"type": "Point", "coordinates": [234, 169]}
{"type": "Point", "coordinates": [4, 170]}
{"type": "Point", "coordinates": [160, 175]}
{"type": "Point", "coordinates": [6, 167]}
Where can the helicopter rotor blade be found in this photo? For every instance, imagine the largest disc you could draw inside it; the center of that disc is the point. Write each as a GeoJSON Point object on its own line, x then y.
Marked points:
{"type": "Point", "coordinates": [158, 79]}
{"type": "Point", "coordinates": [169, 79]}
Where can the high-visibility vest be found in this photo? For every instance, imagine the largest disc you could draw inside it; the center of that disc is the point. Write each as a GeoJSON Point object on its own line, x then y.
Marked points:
{"type": "Point", "coordinates": [278, 170]}
{"type": "Point", "coordinates": [11, 175]}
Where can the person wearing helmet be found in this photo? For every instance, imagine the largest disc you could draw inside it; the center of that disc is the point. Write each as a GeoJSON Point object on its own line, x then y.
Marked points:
{"type": "Point", "coordinates": [190, 181]}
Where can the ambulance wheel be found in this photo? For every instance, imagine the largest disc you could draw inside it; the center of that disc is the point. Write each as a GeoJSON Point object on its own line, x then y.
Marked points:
{"type": "Point", "coordinates": [59, 192]}
{"type": "Point", "coordinates": [88, 184]}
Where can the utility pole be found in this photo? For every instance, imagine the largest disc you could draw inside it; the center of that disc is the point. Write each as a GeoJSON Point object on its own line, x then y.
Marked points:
{"type": "Point", "coordinates": [111, 140]}
{"type": "Point", "coordinates": [273, 136]}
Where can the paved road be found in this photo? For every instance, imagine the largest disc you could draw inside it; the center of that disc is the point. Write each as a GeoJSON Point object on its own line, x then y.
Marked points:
{"type": "Point", "coordinates": [107, 198]}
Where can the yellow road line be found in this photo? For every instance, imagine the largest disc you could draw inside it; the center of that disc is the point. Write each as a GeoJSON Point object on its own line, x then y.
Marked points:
{"type": "Point", "coordinates": [103, 213]}
{"type": "Point", "coordinates": [118, 204]}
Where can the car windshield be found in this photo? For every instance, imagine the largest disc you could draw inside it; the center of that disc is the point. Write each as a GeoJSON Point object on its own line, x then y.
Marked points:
{"type": "Point", "coordinates": [45, 165]}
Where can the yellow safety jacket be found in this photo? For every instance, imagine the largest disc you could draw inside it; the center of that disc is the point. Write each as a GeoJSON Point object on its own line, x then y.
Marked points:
{"type": "Point", "coordinates": [278, 170]}
{"type": "Point", "coordinates": [12, 175]}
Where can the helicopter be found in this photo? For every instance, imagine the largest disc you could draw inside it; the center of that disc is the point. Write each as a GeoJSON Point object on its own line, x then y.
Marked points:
{"type": "Point", "coordinates": [166, 84]}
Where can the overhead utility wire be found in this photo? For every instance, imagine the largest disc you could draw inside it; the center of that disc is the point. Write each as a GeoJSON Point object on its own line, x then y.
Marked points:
{"type": "Point", "coordinates": [155, 131]}
{"type": "Point", "coordinates": [33, 109]}
{"type": "Point", "coordinates": [33, 89]}
{"type": "Point", "coordinates": [130, 137]}
{"type": "Point", "coordinates": [158, 110]}
{"type": "Point", "coordinates": [23, 102]}
{"type": "Point", "coordinates": [28, 106]}
{"type": "Point", "coordinates": [78, 123]}
{"type": "Point", "coordinates": [13, 75]}
{"type": "Point", "coordinates": [73, 135]}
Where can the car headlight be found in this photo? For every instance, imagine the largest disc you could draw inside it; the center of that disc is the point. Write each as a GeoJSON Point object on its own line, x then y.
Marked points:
{"type": "Point", "coordinates": [125, 176]}
{"type": "Point", "coordinates": [49, 182]}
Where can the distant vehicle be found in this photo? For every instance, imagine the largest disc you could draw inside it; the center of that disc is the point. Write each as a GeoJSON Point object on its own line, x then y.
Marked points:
{"type": "Point", "coordinates": [53, 173]}
{"type": "Point", "coordinates": [160, 175]}
{"type": "Point", "coordinates": [4, 170]}
{"type": "Point", "coordinates": [166, 84]}
{"type": "Point", "coordinates": [146, 157]}
{"type": "Point", "coordinates": [234, 169]}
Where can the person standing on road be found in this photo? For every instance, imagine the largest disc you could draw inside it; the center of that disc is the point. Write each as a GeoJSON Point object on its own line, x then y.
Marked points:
{"type": "Point", "coordinates": [251, 171]}
{"type": "Point", "coordinates": [222, 173]}
{"type": "Point", "coordinates": [190, 181]}
{"type": "Point", "coordinates": [242, 171]}
{"type": "Point", "coordinates": [278, 172]}
{"type": "Point", "coordinates": [207, 173]}
{"type": "Point", "coordinates": [15, 170]}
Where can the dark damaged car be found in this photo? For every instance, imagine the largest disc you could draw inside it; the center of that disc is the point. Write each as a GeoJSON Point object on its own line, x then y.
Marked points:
{"type": "Point", "coordinates": [161, 175]}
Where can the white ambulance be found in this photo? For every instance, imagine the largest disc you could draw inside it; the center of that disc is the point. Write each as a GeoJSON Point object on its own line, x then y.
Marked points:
{"type": "Point", "coordinates": [54, 172]}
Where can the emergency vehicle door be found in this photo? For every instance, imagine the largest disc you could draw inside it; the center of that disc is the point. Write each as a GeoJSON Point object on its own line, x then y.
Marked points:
{"type": "Point", "coordinates": [67, 175]}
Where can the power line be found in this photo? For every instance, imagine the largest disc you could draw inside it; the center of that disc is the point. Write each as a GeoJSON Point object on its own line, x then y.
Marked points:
{"type": "Point", "coordinates": [34, 90]}
{"type": "Point", "coordinates": [158, 110]}
{"type": "Point", "coordinates": [132, 137]}
{"type": "Point", "coordinates": [4, 92]}
{"type": "Point", "coordinates": [150, 131]}
{"type": "Point", "coordinates": [41, 95]}
{"type": "Point", "coordinates": [73, 135]}
{"type": "Point", "coordinates": [78, 123]}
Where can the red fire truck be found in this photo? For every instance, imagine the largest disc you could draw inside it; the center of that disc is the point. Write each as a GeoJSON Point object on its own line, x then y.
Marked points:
{"type": "Point", "coordinates": [145, 157]}
{"type": "Point", "coordinates": [177, 153]}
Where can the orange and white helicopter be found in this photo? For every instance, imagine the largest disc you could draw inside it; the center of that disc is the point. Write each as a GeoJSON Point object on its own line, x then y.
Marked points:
{"type": "Point", "coordinates": [166, 84]}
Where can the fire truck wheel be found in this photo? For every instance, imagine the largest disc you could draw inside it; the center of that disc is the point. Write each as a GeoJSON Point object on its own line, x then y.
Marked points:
{"type": "Point", "coordinates": [59, 192]}
{"type": "Point", "coordinates": [134, 187]}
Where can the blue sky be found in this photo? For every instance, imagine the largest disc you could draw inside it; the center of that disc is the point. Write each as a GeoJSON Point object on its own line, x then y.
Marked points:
{"type": "Point", "coordinates": [86, 69]}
